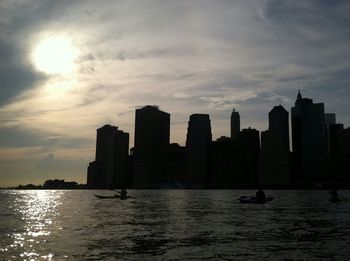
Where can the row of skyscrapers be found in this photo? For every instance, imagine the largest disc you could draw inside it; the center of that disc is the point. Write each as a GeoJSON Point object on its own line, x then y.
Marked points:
{"type": "Point", "coordinates": [320, 151]}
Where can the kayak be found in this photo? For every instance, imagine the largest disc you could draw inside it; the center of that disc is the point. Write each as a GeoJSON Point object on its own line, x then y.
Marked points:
{"type": "Point", "coordinates": [114, 196]}
{"type": "Point", "coordinates": [335, 199]}
{"type": "Point", "coordinates": [253, 200]}
{"type": "Point", "coordinates": [338, 199]}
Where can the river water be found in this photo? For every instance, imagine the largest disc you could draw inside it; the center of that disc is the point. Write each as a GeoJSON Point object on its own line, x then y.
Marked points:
{"type": "Point", "coordinates": [172, 225]}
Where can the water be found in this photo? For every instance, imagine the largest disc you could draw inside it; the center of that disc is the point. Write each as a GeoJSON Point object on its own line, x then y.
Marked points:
{"type": "Point", "coordinates": [172, 225]}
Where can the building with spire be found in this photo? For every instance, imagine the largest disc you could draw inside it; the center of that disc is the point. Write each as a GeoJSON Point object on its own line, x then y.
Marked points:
{"type": "Point", "coordinates": [308, 141]}
{"type": "Point", "coordinates": [235, 125]}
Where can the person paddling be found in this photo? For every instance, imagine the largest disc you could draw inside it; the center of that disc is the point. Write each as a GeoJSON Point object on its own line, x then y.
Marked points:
{"type": "Point", "coordinates": [260, 195]}
{"type": "Point", "coordinates": [334, 195]}
{"type": "Point", "coordinates": [123, 193]}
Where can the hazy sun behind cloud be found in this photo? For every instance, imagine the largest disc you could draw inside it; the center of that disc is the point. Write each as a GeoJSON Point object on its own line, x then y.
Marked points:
{"type": "Point", "coordinates": [55, 55]}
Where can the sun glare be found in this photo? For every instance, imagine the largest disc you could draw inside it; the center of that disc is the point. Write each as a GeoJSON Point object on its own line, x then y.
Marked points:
{"type": "Point", "coordinates": [55, 55]}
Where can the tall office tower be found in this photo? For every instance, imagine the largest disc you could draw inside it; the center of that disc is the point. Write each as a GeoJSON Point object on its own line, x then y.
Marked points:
{"type": "Point", "coordinates": [250, 143]}
{"type": "Point", "coordinates": [111, 156]}
{"type": "Point", "coordinates": [346, 140]}
{"type": "Point", "coordinates": [197, 149]}
{"type": "Point", "coordinates": [91, 181]}
{"type": "Point", "coordinates": [329, 121]}
{"type": "Point", "coordinates": [274, 159]}
{"type": "Point", "coordinates": [176, 165]}
{"type": "Point", "coordinates": [152, 134]}
{"type": "Point", "coordinates": [235, 125]}
{"type": "Point", "coordinates": [278, 123]}
{"type": "Point", "coordinates": [121, 174]}
{"type": "Point", "coordinates": [308, 140]}
{"type": "Point", "coordinates": [225, 163]}
{"type": "Point", "coordinates": [336, 152]}
{"type": "Point", "coordinates": [105, 155]}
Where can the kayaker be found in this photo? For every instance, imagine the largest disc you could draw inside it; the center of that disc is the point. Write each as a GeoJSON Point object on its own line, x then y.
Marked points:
{"type": "Point", "coordinates": [123, 193]}
{"type": "Point", "coordinates": [260, 195]}
{"type": "Point", "coordinates": [334, 195]}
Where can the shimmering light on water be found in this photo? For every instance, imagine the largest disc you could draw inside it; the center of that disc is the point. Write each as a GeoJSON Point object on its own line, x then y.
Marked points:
{"type": "Point", "coordinates": [29, 217]}
{"type": "Point", "coordinates": [172, 224]}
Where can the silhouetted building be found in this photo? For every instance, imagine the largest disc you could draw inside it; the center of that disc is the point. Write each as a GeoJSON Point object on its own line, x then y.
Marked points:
{"type": "Point", "coordinates": [121, 175]}
{"type": "Point", "coordinates": [346, 144]}
{"type": "Point", "coordinates": [175, 172]}
{"type": "Point", "coordinates": [235, 125]}
{"type": "Point", "coordinates": [250, 143]}
{"type": "Point", "coordinates": [339, 153]}
{"type": "Point", "coordinates": [278, 123]}
{"type": "Point", "coordinates": [329, 118]}
{"type": "Point", "coordinates": [197, 149]}
{"type": "Point", "coordinates": [274, 159]}
{"type": "Point", "coordinates": [225, 164]}
{"type": "Point", "coordinates": [92, 178]}
{"type": "Point", "coordinates": [109, 170]}
{"type": "Point", "coordinates": [152, 134]}
{"type": "Point", "coordinates": [309, 141]}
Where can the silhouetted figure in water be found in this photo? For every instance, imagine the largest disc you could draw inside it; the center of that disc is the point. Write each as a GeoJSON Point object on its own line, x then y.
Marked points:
{"type": "Point", "coordinates": [123, 193]}
{"type": "Point", "coordinates": [334, 196]}
{"type": "Point", "coordinates": [260, 195]}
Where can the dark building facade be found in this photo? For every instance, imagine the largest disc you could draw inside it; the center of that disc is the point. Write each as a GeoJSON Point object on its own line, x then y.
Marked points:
{"type": "Point", "coordinates": [225, 162]}
{"type": "Point", "coordinates": [235, 125]}
{"type": "Point", "coordinates": [250, 149]}
{"type": "Point", "coordinates": [152, 134]}
{"type": "Point", "coordinates": [279, 124]}
{"type": "Point", "coordinates": [309, 141]}
{"type": "Point", "coordinates": [121, 174]}
{"type": "Point", "coordinates": [274, 160]}
{"type": "Point", "coordinates": [275, 157]}
{"type": "Point", "coordinates": [198, 142]}
{"type": "Point", "coordinates": [339, 153]}
{"type": "Point", "coordinates": [175, 172]}
{"type": "Point", "coordinates": [109, 170]}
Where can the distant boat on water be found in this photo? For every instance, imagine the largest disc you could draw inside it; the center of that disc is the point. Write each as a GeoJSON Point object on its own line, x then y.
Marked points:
{"type": "Point", "coordinates": [109, 197]}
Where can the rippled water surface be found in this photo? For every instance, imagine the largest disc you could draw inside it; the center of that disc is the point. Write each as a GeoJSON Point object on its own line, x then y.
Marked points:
{"type": "Point", "coordinates": [172, 224]}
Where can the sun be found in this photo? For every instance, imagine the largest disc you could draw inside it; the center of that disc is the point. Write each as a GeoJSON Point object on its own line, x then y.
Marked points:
{"type": "Point", "coordinates": [55, 55]}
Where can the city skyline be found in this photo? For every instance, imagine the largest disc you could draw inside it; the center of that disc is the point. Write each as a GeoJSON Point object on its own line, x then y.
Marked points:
{"type": "Point", "coordinates": [320, 152]}
{"type": "Point", "coordinates": [68, 68]}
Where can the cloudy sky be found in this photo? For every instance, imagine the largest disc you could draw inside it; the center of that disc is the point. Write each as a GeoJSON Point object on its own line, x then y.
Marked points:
{"type": "Point", "coordinates": [185, 56]}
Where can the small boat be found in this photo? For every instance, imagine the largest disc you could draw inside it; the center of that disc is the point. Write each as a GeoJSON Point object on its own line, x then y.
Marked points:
{"type": "Point", "coordinates": [335, 199]}
{"type": "Point", "coordinates": [253, 200]}
{"type": "Point", "coordinates": [338, 199]}
{"type": "Point", "coordinates": [114, 196]}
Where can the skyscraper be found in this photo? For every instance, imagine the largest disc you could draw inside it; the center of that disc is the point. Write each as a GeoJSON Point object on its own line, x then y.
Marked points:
{"type": "Point", "coordinates": [152, 134]}
{"type": "Point", "coordinates": [309, 140]}
{"type": "Point", "coordinates": [109, 169]}
{"type": "Point", "coordinates": [197, 149]}
{"type": "Point", "coordinates": [274, 158]}
{"type": "Point", "coordinates": [235, 125]}
{"type": "Point", "coordinates": [225, 162]}
{"type": "Point", "coordinates": [250, 142]}
{"type": "Point", "coordinates": [121, 179]}
{"type": "Point", "coordinates": [105, 155]}
{"type": "Point", "coordinates": [278, 123]}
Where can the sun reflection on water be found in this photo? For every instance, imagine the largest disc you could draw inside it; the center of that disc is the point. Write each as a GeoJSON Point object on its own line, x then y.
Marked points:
{"type": "Point", "coordinates": [37, 212]}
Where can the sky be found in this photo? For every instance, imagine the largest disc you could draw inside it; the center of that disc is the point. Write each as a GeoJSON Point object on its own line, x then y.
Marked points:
{"type": "Point", "coordinates": [69, 67]}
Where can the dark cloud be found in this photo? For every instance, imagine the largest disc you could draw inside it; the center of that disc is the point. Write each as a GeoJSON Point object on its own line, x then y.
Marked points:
{"type": "Point", "coordinates": [16, 74]}
{"type": "Point", "coordinates": [17, 138]}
